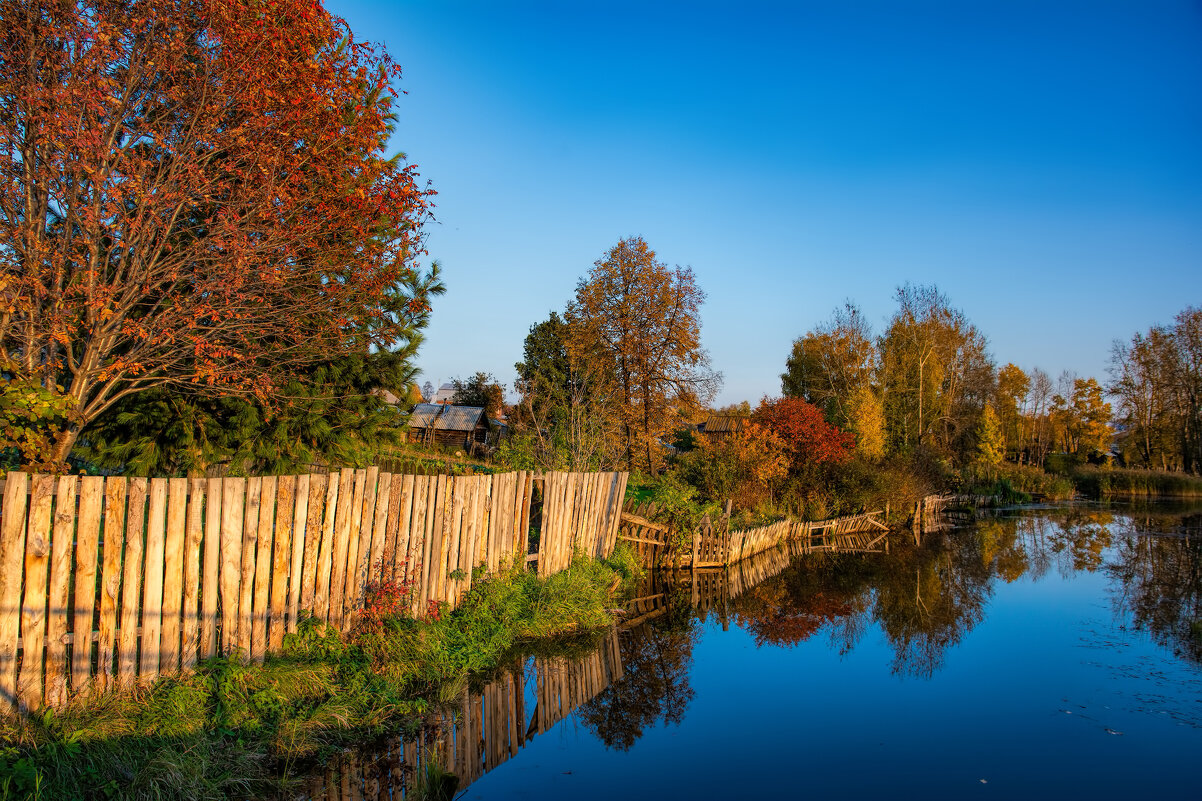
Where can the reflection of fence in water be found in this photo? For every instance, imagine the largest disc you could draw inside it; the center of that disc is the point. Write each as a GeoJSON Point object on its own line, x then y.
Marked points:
{"type": "Point", "coordinates": [484, 731]}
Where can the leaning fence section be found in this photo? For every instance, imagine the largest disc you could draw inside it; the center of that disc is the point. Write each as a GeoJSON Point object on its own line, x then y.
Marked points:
{"type": "Point", "coordinates": [105, 582]}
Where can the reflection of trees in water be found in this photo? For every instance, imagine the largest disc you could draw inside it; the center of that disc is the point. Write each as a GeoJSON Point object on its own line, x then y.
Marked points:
{"type": "Point", "coordinates": [657, 658]}
{"type": "Point", "coordinates": [794, 606]}
{"type": "Point", "coordinates": [1082, 535]}
{"type": "Point", "coordinates": [925, 601]}
{"type": "Point", "coordinates": [1158, 582]}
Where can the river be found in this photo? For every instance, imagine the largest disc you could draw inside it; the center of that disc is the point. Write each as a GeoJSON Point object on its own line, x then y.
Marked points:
{"type": "Point", "coordinates": [1045, 653]}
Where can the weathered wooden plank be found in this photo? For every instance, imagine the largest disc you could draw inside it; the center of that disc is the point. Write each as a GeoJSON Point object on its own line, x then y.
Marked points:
{"type": "Point", "coordinates": [449, 532]}
{"type": "Point", "coordinates": [350, 497]}
{"type": "Point", "coordinates": [233, 507]}
{"type": "Point", "coordinates": [30, 689]}
{"type": "Point", "coordinates": [571, 521]}
{"type": "Point", "coordinates": [583, 535]}
{"type": "Point", "coordinates": [527, 493]}
{"type": "Point", "coordinates": [364, 493]}
{"type": "Point", "coordinates": [359, 562]}
{"type": "Point", "coordinates": [508, 524]}
{"type": "Point", "coordinates": [113, 538]}
{"type": "Point", "coordinates": [193, 555]}
{"type": "Point", "coordinates": [437, 523]}
{"type": "Point", "coordinates": [300, 525]}
{"type": "Point", "coordinates": [263, 567]}
{"type": "Point", "coordinates": [396, 531]}
{"type": "Point", "coordinates": [544, 533]}
{"type": "Point", "coordinates": [173, 575]}
{"type": "Point", "coordinates": [12, 557]}
{"type": "Point", "coordinates": [613, 511]}
{"type": "Point", "coordinates": [281, 560]}
{"type": "Point", "coordinates": [131, 575]}
{"type": "Point", "coordinates": [152, 586]}
{"type": "Point", "coordinates": [320, 489]}
{"type": "Point", "coordinates": [474, 519]}
{"type": "Point", "coordinates": [375, 567]}
{"type": "Point", "coordinates": [418, 548]}
{"type": "Point", "coordinates": [454, 540]}
{"type": "Point", "coordinates": [211, 579]}
{"type": "Point", "coordinates": [87, 539]}
{"type": "Point", "coordinates": [489, 547]}
{"type": "Point", "coordinates": [250, 554]}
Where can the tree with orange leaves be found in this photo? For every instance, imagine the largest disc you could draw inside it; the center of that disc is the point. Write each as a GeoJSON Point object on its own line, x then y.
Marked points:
{"type": "Point", "coordinates": [642, 320]}
{"type": "Point", "coordinates": [194, 194]}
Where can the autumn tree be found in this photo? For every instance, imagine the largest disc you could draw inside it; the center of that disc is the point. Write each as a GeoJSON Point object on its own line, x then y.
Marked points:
{"type": "Point", "coordinates": [741, 467]}
{"type": "Point", "coordinates": [991, 440]}
{"type": "Point", "coordinates": [1041, 437]}
{"type": "Point", "coordinates": [829, 365]}
{"type": "Point", "coordinates": [936, 372]}
{"type": "Point", "coordinates": [1009, 405]}
{"type": "Point", "coordinates": [1082, 419]}
{"type": "Point", "coordinates": [644, 319]}
{"type": "Point", "coordinates": [1156, 380]}
{"type": "Point", "coordinates": [808, 439]}
{"type": "Point", "coordinates": [195, 196]}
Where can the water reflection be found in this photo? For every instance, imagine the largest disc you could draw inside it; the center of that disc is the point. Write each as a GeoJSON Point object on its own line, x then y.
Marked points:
{"type": "Point", "coordinates": [924, 600]}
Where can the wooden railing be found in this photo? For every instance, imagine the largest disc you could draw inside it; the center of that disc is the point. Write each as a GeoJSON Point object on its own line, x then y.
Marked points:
{"type": "Point", "coordinates": [715, 545]}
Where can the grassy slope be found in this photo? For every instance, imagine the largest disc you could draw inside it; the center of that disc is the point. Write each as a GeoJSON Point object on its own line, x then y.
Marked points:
{"type": "Point", "coordinates": [232, 730]}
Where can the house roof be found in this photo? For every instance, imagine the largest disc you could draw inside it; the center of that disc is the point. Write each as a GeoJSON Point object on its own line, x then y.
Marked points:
{"type": "Point", "coordinates": [459, 418]}
{"type": "Point", "coordinates": [724, 423]}
{"type": "Point", "coordinates": [423, 415]}
{"type": "Point", "coordinates": [445, 418]}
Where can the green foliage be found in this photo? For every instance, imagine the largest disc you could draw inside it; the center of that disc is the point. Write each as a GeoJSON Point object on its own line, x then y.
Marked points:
{"type": "Point", "coordinates": [680, 507]}
{"type": "Point", "coordinates": [331, 413]}
{"type": "Point", "coordinates": [29, 417]}
{"type": "Point", "coordinates": [482, 390]}
{"type": "Point", "coordinates": [626, 563]}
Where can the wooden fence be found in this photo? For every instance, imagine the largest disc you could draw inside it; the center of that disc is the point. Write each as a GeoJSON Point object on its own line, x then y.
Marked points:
{"type": "Point", "coordinates": [714, 545]}
{"type": "Point", "coordinates": [108, 581]}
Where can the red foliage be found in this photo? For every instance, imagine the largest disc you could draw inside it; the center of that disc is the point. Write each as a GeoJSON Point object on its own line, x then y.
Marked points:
{"type": "Point", "coordinates": [808, 438]}
{"type": "Point", "coordinates": [384, 599]}
{"type": "Point", "coordinates": [195, 193]}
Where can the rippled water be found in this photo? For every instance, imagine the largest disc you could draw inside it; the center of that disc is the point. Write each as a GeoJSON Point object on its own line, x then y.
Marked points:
{"type": "Point", "coordinates": [1042, 654]}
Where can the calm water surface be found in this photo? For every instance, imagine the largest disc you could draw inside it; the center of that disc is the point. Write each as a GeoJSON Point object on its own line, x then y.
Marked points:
{"type": "Point", "coordinates": [1049, 654]}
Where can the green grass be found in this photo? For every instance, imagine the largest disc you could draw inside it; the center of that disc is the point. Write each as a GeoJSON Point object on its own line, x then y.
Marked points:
{"type": "Point", "coordinates": [235, 730]}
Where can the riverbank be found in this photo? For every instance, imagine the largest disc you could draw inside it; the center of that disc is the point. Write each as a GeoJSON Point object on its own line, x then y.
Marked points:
{"type": "Point", "coordinates": [232, 729]}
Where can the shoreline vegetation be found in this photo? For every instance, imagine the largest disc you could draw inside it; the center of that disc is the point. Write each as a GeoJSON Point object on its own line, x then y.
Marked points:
{"type": "Point", "coordinates": [234, 729]}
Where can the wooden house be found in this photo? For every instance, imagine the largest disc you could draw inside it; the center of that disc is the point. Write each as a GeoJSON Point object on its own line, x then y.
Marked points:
{"type": "Point", "coordinates": [464, 427]}
{"type": "Point", "coordinates": [721, 426]}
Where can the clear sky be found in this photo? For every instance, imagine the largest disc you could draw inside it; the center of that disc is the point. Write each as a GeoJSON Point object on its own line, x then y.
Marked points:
{"type": "Point", "coordinates": [1041, 162]}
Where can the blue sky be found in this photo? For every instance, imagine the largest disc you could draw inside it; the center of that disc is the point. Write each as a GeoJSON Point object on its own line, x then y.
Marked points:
{"type": "Point", "coordinates": [1041, 162]}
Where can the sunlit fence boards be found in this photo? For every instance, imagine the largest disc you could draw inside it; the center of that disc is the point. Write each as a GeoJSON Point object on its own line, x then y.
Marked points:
{"type": "Point", "coordinates": [105, 582]}
{"type": "Point", "coordinates": [581, 511]}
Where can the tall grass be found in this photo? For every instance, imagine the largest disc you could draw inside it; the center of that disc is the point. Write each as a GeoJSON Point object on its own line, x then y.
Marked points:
{"type": "Point", "coordinates": [1101, 482]}
{"type": "Point", "coordinates": [1013, 483]}
{"type": "Point", "coordinates": [235, 730]}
